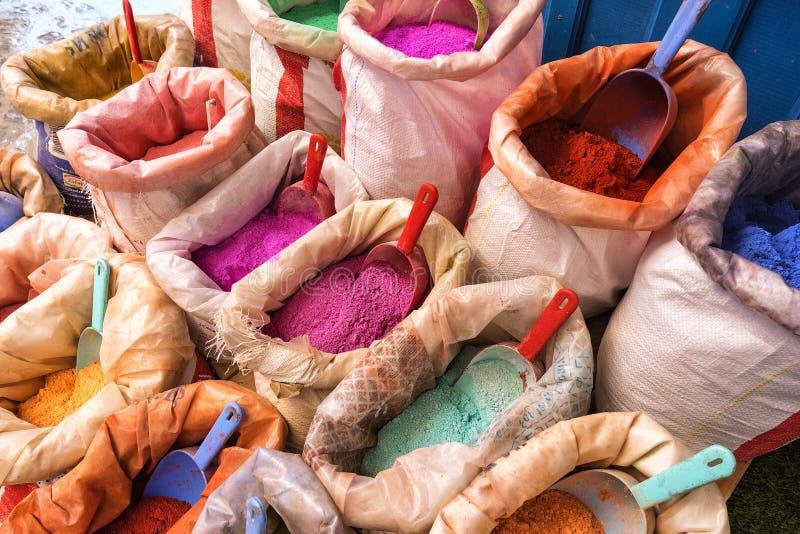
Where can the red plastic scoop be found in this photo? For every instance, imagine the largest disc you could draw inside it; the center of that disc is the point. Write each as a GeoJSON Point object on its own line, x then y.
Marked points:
{"type": "Point", "coordinates": [310, 194]}
{"type": "Point", "coordinates": [404, 255]}
{"type": "Point", "coordinates": [522, 356]}
{"type": "Point", "coordinates": [139, 68]}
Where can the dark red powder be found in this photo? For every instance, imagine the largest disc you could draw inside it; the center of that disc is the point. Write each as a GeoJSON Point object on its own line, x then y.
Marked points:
{"type": "Point", "coordinates": [5, 311]}
{"type": "Point", "coordinates": [151, 515]}
{"type": "Point", "coordinates": [588, 161]}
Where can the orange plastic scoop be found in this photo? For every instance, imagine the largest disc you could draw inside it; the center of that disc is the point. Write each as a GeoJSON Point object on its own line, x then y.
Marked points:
{"type": "Point", "coordinates": [139, 68]}
{"type": "Point", "coordinates": [310, 194]}
{"type": "Point", "coordinates": [404, 255]}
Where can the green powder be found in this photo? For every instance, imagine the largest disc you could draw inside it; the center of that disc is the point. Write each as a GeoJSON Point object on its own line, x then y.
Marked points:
{"type": "Point", "coordinates": [445, 414]}
{"type": "Point", "coordinates": [323, 15]}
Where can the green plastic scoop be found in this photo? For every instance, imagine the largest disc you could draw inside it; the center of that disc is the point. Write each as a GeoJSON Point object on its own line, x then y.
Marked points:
{"type": "Point", "coordinates": [92, 336]}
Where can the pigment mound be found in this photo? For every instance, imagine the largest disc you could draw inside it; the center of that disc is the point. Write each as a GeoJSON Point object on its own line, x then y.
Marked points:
{"type": "Point", "coordinates": [151, 515]}
{"type": "Point", "coordinates": [63, 393]}
{"type": "Point", "coordinates": [341, 309]}
{"type": "Point", "coordinates": [264, 236]}
{"type": "Point", "coordinates": [552, 511]}
{"type": "Point", "coordinates": [447, 414]}
{"type": "Point", "coordinates": [588, 161]}
{"type": "Point", "coordinates": [323, 15]}
{"type": "Point", "coordinates": [425, 41]}
{"type": "Point", "coordinates": [5, 311]}
{"type": "Point", "coordinates": [767, 234]}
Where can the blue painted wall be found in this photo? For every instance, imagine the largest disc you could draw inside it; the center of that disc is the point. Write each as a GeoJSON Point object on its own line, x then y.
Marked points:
{"type": "Point", "coordinates": [762, 36]}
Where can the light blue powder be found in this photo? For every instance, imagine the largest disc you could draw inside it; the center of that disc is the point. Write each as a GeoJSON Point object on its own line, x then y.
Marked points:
{"type": "Point", "coordinates": [446, 414]}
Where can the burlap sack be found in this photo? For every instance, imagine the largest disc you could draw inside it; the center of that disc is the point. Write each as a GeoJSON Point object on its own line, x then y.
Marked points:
{"type": "Point", "coordinates": [25, 179]}
{"type": "Point", "coordinates": [595, 441]}
{"type": "Point", "coordinates": [222, 212]}
{"type": "Point", "coordinates": [286, 484]}
{"type": "Point", "coordinates": [406, 497]}
{"type": "Point", "coordinates": [704, 340]}
{"type": "Point", "coordinates": [591, 242]}
{"type": "Point", "coordinates": [135, 197]}
{"type": "Point", "coordinates": [145, 346]}
{"type": "Point", "coordinates": [128, 446]}
{"type": "Point", "coordinates": [294, 375]}
{"type": "Point", "coordinates": [409, 120]}
{"type": "Point", "coordinates": [292, 69]}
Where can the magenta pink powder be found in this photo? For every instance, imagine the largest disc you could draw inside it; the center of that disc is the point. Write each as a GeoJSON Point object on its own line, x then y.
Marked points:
{"type": "Point", "coordinates": [425, 41]}
{"type": "Point", "coordinates": [343, 309]}
{"type": "Point", "coordinates": [257, 241]}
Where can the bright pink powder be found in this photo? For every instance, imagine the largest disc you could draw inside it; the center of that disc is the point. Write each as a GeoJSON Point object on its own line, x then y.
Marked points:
{"type": "Point", "coordinates": [343, 309]}
{"type": "Point", "coordinates": [425, 41]}
{"type": "Point", "coordinates": [257, 241]}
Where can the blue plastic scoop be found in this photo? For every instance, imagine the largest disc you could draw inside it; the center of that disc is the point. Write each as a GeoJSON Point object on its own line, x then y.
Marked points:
{"type": "Point", "coordinates": [256, 516]}
{"type": "Point", "coordinates": [183, 474]}
{"type": "Point", "coordinates": [10, 210]}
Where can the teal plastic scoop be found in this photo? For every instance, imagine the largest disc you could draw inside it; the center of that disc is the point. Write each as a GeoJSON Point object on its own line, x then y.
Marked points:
{"type": "Point", "coordinates": [92, 336]}
{"type": "Point", "coordinates": [623, 505]}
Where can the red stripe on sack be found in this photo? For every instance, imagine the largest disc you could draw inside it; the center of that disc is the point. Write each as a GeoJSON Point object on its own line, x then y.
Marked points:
{"type": "Point", "coordinates": [487, 162]}
{"type": "Point", "coordinates": [11, 496]}
{"type": "Point", "coordinates": [770, 440]}
{"type": "Point", "coordinates": [204, 33]}
{"type": "Point", "coordinates": [341, 86]}
{"type": "Point", "coordinates": [289, 115]}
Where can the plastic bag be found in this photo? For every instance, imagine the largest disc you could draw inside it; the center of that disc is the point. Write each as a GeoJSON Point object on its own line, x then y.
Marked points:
{"type": "Point", "coordinates": [406, 497]}
{"type": "Point", "coordinates": [594, 441]}
{"type": "Point", "coordinates": [410, 120]}
{"type": "Point", "coordinates": [25, 179]}
{"type": "Point", "coordinates": [52, 83]}
{"type": "Point", "coordinates": [590, 242]}
{"type": "Point", "coordinates": [292, 69]}
{"type": "Point", "coordinates": [147, 153]}
{"type": "Point", "coordinates": [730, 375]}
{"type": "Point", "coordinates": [288, 486]}
{"type": "Point", "coordinates": [223, 211]}
{"type": "Point", "coordinates": [128, 446]}
{"type": "Point", "coordinates": [294, 375]}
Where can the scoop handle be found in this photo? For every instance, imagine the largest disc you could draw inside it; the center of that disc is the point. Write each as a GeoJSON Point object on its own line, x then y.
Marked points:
{"type": "Point", "coordinates": [685, 20]}
{"type": "Point", "coordinates": [689, 474]}
{"type": "Point", "coordinates": [427, 196]}
{"type": "Point", "coordinates": [131, 27]}
{"type": "Point", "coordinates": [256, 516]}
{"type": "Point", "coordinates": [225, 425]}
{"type": "Point", "coordinates": [555, 314]}
{"type": "Point", "coordinates": [100, 294]}
{"type": "Point", "coordinates": [317, 147]}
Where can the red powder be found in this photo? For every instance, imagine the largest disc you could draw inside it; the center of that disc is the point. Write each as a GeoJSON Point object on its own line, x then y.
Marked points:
{"type": "Point", "coordinates": [589, 161]}
{"type": "Point", "coordinates": [5, 311]}
{"type": "Point", "coordinates": [151, 515]}
{"type": "Point", "coordinates": [343, 309]}
{"type": "Point", "coordinates": [552, 511]}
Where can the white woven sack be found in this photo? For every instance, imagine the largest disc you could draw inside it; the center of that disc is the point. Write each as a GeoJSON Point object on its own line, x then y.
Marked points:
{"type": "Point", "coordinates": [511, 239]}
{"type": "Point", "coordinates": [408, 120]}
{"type": "Point", "coordinates": [687, 352]}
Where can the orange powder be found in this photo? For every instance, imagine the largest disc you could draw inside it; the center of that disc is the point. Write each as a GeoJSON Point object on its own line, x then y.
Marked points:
{"type": "Point", "coordinates": [551, 512]}
{"type": "Point", "coordinates": [63, 393]}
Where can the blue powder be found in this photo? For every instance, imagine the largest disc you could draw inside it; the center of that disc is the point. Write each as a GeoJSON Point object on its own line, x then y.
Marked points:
{"type": "Point", "coordinates": [766, 234]}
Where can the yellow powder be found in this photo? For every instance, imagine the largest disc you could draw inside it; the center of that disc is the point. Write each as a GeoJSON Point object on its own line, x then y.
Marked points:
{"type": "Point", "coordinates": [63, 393]}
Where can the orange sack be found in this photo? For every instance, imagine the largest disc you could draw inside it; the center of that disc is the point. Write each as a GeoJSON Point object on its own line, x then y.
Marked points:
{"type": "Point", "coordinates": [129, 445]}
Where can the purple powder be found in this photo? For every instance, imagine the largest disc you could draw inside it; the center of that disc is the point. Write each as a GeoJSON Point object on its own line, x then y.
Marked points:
{"type": "Point", "coordinates": [766, 234]}
{"type": "Point", "coordinates": [341, 309]}
{"type": "Point", "coordinates": [260, 239]}
{"type": "Point", "coordinates": [425, 41]}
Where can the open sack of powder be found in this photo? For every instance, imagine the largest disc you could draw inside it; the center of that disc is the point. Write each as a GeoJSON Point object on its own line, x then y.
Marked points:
{"type": "Point", "coordinates": [223, 212]}
{"type": "Point", "coordinates": [293, 374]}
{"type": "Point", "coordinates": [145, 349]}
{"type": "Point", "coordinates": [407, 496]}
{"type": "Point", "coordinates": [591, 242]}
{"type": "Point", "coordinates": [21, 176]}
{"type": "Point", "coordinates": [292, 70]}
{"type": "Point", "coordinates": [158, 146]}
{"type": "Point", "coordinates": [735, 325]}
{"type": "Point", "coordinates": [129, 444]}
{"type": "Point", "coordinates": [409, 120]}
{"type": "Point", "coordinates": [595, 441]}
{"type": "Point", "coordinates": [287, 485]}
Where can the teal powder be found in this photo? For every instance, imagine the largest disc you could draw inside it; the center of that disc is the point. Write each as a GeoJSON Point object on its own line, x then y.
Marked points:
{"type": "Point", "coordinates": [446, 414]}
{"type": "Point", "coordinates": [323, 15]}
